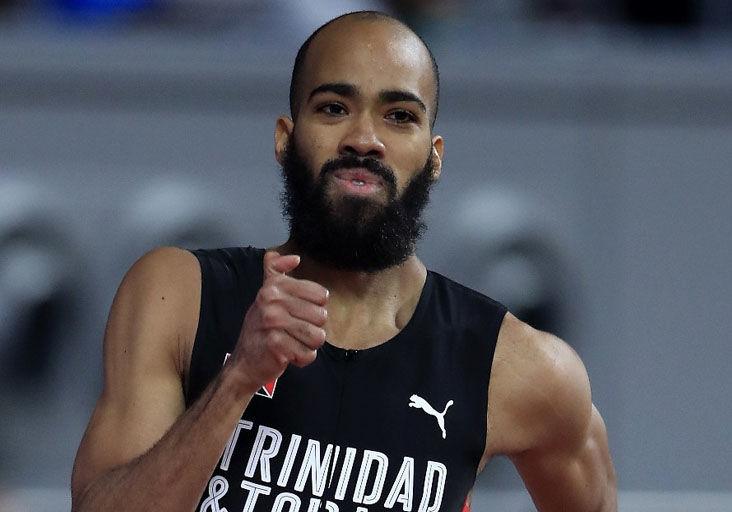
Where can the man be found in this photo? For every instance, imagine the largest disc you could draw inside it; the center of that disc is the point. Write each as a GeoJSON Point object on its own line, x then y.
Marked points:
{"type": "Point", "coordinates": [221, 391]}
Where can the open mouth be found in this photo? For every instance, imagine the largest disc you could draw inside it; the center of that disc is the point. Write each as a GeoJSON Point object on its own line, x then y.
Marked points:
{"type": "Point", "coordinates": [358, 180]}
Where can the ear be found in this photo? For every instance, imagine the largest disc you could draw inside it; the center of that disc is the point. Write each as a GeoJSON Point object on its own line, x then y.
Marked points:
{"type": "Point", "coordinates": [438, 149]}
{"type": "Point", "coordinates": [283, 132]}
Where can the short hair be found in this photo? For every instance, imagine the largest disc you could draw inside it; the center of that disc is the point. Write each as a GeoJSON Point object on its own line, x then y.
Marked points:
{"type": "Point", "coordinates": [297, 69]}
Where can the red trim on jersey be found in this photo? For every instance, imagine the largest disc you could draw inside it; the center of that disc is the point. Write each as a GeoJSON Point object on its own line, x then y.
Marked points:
{"type": "Point", "coordinates": [466, 505]}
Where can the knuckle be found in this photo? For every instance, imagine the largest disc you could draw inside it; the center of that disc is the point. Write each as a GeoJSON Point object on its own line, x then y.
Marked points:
{"type": "Point", "coordinates": [282, 360]}
{"type": "Point", "coordinates": [316, 335]}
{"type": "Point", "coordinates": [269, 317]}
{"type": "Point", "coordinates": [269, 293]}
{"type": "Point", "coordinates": [304, 359]}
{"type": "Point", "coordinates": [311, 336]}
{"type": "Point", "coordinates": [306, 331]}
{"type": "Point", "coordinates": [273, 339]}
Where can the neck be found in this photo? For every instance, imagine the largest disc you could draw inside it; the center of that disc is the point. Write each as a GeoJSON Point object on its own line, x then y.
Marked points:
{"type": "Point", "coordinates": [358, 299]}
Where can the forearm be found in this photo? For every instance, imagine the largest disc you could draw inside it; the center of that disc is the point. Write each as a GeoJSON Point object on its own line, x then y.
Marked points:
{"type": "Point", "coordinates": [172, 475]}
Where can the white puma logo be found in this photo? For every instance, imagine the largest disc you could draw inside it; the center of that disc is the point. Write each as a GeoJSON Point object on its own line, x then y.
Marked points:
{"type": "Point", "coordinates": [421, 403]}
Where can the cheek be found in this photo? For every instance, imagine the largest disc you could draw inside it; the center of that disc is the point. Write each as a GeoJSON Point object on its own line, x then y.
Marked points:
{"type": "Point", "coordinates": [320, 151]}
{"type": "Point", "coordinates": [411, 159]}
{"type": "Point", "coordinates": [409, 148]}
{"type": "Point", "coordinates": [311, 149]}
{"type": "Point", "coordinates": [311, 142]}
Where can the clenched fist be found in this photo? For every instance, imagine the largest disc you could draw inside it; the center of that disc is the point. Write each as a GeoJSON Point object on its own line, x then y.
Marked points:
{"type": "Point", "coordinates": [284, 324]}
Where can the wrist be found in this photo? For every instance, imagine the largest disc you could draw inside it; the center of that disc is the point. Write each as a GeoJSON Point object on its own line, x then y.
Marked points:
{"type": "Point", "coordinates": [238, 381]}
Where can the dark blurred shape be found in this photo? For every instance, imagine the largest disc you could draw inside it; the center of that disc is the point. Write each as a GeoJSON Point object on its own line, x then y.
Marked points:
{"type": "Point", "coordinates": [527, 274]}
{"type": "Point", "coordinates": [516, 257]}
{"type": "Point", "coordinates": [670, 13]}
{"type": "Point", "coordinates": [34, 316]}
{"type": "Point", "coordinates": [568, 10]}
{"type": "Point", "coordinates": [36, 285]}
{"type": "Point", "coordinates": [8, 8]}
{"type": "Point", "coordinates": [717, 13]}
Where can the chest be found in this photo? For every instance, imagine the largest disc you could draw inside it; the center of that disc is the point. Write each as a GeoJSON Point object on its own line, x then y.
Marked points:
{"type": "Point", "coordinates": [386, 428]}
{"type": "Point", "coordinates": [372, 398]}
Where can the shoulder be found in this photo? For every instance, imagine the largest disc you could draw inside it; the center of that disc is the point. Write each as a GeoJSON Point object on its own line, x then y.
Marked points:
{"type": "Point", "coordinates": [539, 393]}
{"type": "Point", "coordinates": [460, 304]}
{"type": "Point", "coordinates": [165, 274]}
{"type": "Point", "coordinates": [169, 266]}
{"type": "Point", "coordinates": [156, 305]}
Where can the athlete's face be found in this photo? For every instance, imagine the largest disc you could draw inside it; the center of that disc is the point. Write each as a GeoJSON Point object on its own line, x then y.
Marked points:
{"type": "Point", "coordinates": [362, 130]}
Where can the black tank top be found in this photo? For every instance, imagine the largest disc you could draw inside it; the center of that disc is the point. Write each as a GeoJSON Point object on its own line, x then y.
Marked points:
{"type": "Point", "coordinates": [400, 426]}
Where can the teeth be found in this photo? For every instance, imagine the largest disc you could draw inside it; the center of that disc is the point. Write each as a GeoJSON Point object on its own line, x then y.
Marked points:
{"type": "Point", "coordinates": [358, 183]}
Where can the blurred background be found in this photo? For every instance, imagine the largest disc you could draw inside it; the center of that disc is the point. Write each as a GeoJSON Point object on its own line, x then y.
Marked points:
{"type": "Point", "coordinates": [587, 185]}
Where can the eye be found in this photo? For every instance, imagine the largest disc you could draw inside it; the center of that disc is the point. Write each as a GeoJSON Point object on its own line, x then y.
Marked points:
{"type": "Point", "coordinates": [333, 109]}
{"type": "Point", "coordinates": [401, 116]}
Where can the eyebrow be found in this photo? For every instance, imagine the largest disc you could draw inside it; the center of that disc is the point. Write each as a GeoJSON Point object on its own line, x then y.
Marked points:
{"type": "Point", "coordinates": [339, 88]}
{"type": "Point", "coordinates": [396, 96]}
{"type": "Point", "coordinates": [351, 91]}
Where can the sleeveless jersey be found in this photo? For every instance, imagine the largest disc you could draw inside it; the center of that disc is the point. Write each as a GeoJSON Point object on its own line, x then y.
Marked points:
{"type": "Point", "coordinates": [400, 426]}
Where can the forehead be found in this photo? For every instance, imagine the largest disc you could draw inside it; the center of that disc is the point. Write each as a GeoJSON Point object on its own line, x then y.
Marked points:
{"type": "Point", "coordinates": [373, 55]}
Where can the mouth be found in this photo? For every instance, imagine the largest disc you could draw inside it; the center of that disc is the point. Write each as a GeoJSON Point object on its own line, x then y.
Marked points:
{"type": "Point", "coordinates": [359, 181]}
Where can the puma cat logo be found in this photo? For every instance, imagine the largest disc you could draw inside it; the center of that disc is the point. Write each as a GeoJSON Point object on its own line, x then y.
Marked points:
{"type": "Point", "coordinates": [420, 403]}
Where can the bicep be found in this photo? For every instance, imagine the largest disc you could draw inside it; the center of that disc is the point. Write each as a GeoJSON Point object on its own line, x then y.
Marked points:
{"type": "Point", "coordinates": [571, 476]}
{"type": "Point", "coordinates": [142, 395]}
{"type": "Point", "coordinates": [545, 422]}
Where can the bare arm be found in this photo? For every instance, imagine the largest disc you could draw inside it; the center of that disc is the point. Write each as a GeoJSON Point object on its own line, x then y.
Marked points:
{"type": "Point", "coordinates": [141, 450]}
{"type": "Point", "coordinates": [574, 474]}
{"type": "Point", "coordinates": [548, 426]}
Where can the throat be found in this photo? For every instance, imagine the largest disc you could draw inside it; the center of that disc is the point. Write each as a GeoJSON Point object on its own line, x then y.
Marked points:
{"type": "Point", "coordinates": [362, 339]}
{"type": "Point", "coordinates": [365, 324]}
{"type": "Point", "coordinates": [359, 329]}
{"type": "Point", "coordinates": [365, 309]}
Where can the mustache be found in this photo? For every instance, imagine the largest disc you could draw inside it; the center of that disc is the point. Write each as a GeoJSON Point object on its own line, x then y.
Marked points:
{"type": "Point", "coordinates": [353, 162]}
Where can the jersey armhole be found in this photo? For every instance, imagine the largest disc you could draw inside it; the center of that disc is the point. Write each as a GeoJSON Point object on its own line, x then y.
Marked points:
{"type": "Point", "coordinates": [201, 319]}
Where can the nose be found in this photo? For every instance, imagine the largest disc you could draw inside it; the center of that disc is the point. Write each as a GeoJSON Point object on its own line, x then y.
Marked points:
{"type": "Point", "coordinates": [362, 139]}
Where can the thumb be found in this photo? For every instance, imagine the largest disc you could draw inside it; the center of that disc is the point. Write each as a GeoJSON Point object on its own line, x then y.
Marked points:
{"type": "Point", "coordinates": [274, 263]}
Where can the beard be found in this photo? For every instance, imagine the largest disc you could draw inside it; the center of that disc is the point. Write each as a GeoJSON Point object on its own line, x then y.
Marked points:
{"type": "Point", "coordinates": [351, 232]}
